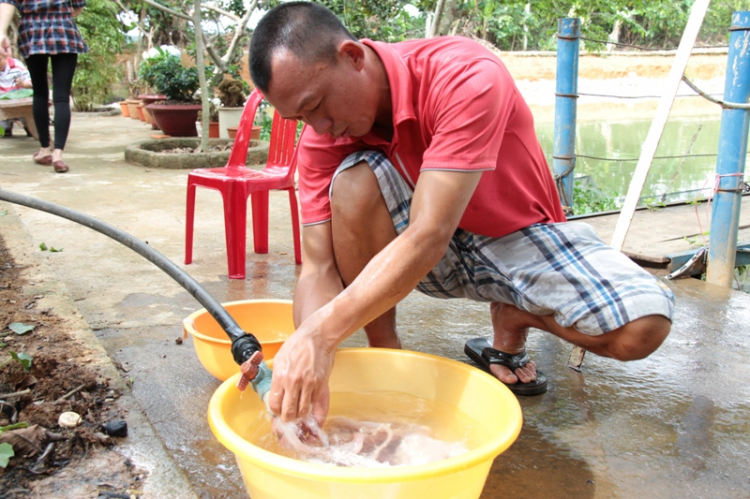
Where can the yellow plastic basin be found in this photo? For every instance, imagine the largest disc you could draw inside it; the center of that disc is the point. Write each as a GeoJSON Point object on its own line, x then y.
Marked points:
{"type": "Point", "coordinates": [270, 321]}
{"type": "Point", "coordinates": [492, 407]}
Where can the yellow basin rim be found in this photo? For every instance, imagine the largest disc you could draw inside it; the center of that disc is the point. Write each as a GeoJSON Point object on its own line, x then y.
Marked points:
{"type": "Point", "coordinates": [189, 321]}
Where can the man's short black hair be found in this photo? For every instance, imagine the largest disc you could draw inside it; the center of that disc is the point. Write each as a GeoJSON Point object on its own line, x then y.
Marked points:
{"type": "Point", "coordinates": [309, 30]}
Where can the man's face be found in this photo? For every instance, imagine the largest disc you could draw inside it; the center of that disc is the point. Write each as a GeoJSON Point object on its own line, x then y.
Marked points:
{"type": "Point", "coordinates": [333, 99]}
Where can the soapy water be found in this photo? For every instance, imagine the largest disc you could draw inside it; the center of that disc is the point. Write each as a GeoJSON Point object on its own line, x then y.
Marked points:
{"type": "Point", "coordinates": [372, 429]}
{"type": "Point", "coordinates": [367, 444]}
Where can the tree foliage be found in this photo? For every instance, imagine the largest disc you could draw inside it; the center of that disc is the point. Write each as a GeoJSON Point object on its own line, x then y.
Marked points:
{"type": "Point", "coordinates": [383, 20]}
{"type": "Point", "coordinates": [97, 70]}
{"type": "Point", "coordinates": [519, 24]}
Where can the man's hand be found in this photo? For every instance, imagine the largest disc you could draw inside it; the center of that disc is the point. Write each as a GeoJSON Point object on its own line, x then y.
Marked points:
{"type": "Point", "coordinates": [301, 371]}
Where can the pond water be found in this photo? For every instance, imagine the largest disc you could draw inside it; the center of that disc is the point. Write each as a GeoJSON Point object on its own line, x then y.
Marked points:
{"type": "Point", "coordinates": [670, 180]}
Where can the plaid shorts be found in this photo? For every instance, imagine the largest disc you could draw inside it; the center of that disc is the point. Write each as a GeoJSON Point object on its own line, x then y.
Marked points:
{"type": "Point", "coordinates": [560, 268]}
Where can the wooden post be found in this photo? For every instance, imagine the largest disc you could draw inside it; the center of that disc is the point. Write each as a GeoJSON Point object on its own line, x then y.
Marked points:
{"type": "Point", "coordinates": [697, 13]}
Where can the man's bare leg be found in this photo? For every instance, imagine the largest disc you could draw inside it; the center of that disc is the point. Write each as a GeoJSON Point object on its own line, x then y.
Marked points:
{"type": "Point", "coordinates": [633, 341]}
{"type": "Point", "coordinates": [362, 226]}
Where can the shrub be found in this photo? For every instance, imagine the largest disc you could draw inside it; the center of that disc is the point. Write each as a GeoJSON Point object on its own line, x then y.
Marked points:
{"type": "Point", "coordinates": [172, 79]}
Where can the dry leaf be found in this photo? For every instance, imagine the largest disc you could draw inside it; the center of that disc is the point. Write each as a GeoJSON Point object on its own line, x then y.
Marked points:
{"type": "Point", "coordinates": [25, 441]}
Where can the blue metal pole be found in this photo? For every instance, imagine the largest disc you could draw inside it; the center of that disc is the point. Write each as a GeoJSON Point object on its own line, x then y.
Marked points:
{"type": "Point", "coordinates": [566, 93]}
{"type": "Point", "coordinates": [730, 165]}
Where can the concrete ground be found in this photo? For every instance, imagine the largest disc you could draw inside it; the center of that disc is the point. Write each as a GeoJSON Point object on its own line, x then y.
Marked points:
{"type": "Point", "coordinates": [674, 425]}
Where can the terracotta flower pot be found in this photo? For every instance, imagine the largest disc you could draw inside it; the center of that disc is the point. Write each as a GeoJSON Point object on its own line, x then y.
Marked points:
{"type": "Point", "coordinates": [150, 99]}
{"type": "Point", "coordinates": [176, 120]}
{"type": "Point", "coordinates": [254, 134]}
{"type": "Point", "coordinates": [133, 108]}
{"type": "Point", "coordinates": [213, 129]}
{"type": "Point", "coordinates": [124, 109]}
{"type": "Point", "coordinates": [146, 115]}
{"type": "Point", "coordinates": [141, 113]}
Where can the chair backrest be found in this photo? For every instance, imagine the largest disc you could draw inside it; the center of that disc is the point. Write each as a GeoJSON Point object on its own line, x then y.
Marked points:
{"type": "Point", "coordinates": [238, 156]}
{"type": "Point", "coordinates": [281, 150]}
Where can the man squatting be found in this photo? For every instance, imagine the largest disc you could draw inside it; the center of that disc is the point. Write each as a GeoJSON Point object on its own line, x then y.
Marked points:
{"type": "Point", "coordinates": [420, 167]}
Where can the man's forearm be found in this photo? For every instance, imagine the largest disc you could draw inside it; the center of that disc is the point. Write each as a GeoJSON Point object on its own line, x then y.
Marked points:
{"type": "Point", "coordinates": [389, 277]}
{"type": "Point", "coordinates": [437, 206]}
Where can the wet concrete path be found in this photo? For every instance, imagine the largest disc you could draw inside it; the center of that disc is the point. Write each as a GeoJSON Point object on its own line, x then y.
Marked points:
{"type": "Point", "coordinates": [672, 426]}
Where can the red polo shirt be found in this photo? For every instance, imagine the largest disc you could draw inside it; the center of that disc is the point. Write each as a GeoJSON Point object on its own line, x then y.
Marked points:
{"type": "Point", "coordinates": [455, 107]}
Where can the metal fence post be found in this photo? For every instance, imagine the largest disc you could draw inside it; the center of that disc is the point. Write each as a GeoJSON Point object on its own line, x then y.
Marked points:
{"type": "Point", "coordinates": [730, 165]}
{"type": "Point", "coordinates": [566, 93]}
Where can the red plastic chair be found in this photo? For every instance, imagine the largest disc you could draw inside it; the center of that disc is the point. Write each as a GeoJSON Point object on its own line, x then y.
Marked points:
{"type": "Point", "coordinates": [236, 183]}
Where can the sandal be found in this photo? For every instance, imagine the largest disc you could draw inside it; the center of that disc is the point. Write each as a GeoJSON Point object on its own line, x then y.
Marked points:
{"type": "Point", "coordinates": [481, 352]}
{"type": "Point", "coordinates": [44, 160]}
{"type": "Point", "coordinates": [60, 167]}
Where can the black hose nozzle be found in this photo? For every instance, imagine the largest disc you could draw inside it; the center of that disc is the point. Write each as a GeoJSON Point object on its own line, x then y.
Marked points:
{"type": "Point", "coordinates": [243, 347]}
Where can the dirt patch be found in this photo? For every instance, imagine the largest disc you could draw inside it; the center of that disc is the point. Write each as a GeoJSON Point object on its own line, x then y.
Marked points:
{"type": "Point", "coordinates": [50, 460]}
{"type": "Point", "coordinates": [608, 67]}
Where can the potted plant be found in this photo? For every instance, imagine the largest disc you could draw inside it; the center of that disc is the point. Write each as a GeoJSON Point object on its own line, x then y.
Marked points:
{"type": "Point", "coordinates": [131, 103]}
{"type": "Point", "coordinates": [213, 121]}
{"type": "Point", "coordinates": [177, 115]}
{"type": "Point", "coordinates": [232, 95]}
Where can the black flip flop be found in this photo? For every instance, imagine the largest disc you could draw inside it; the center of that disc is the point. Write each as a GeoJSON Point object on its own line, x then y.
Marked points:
{"type": "Point", "coordinates": [481, 352]}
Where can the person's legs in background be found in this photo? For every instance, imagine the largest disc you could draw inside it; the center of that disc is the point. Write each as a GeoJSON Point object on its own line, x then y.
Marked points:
{"type": "Point", "coordinates": [37, 66]}
{"type": "Point", "coordinates": [63, 69]}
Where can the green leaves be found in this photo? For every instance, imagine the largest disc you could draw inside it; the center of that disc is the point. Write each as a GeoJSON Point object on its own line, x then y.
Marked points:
{"type": "Point", "coordinates": [15, 426]}
{"type": "Point", "coordinates": [6, 452]}
{"type": "Point", "coordinates": [97, 70]}
{"type": "Point", "coordinates": [24, 358]}
{"type": "Point", "coordinates": [20, 328]}
{"type": "Point", "coordinates": [51, 249]}
{"type": "Point", "coordinates": [171, 78]}
{"type": "Point", "coordinates": [590, 200]}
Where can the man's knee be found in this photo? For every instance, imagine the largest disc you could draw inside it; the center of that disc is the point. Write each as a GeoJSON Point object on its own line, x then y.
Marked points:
{"type": "Point", "coordinates": [638, 339]}
{"type": "Point", "coordinates": [355, 193]}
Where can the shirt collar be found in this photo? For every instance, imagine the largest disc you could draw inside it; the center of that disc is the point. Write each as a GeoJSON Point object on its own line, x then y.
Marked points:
{"type": "Point", "coordinates": [399, 80]}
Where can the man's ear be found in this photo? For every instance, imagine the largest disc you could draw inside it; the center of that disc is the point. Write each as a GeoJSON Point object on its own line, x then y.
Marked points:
{"type": "Point", "coordinates": [352, 52]}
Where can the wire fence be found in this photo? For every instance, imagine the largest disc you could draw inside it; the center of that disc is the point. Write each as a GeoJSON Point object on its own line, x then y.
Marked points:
{"type": "Point", "coordinates": [698, 93]}
{"type": "Point", "coordinates": [642, 48]}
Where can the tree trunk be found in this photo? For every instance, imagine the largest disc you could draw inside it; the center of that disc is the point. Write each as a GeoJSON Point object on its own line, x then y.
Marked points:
{"type": "Point", "coordinates": [139, 45]}
{"type": "Point", "coordinates": [201, 65]}
{"type": "Point", "coordinates": [435, 25]}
